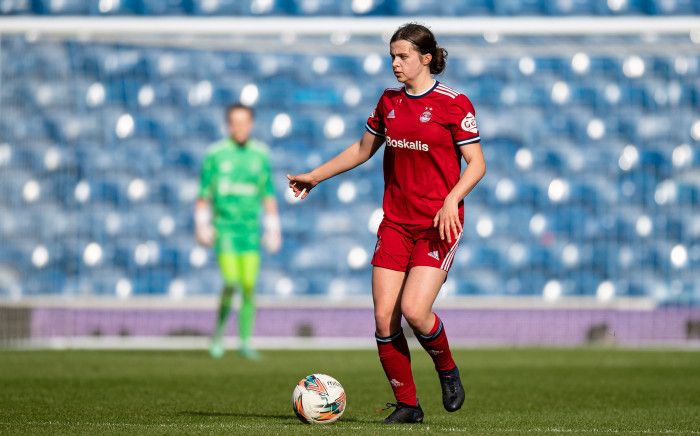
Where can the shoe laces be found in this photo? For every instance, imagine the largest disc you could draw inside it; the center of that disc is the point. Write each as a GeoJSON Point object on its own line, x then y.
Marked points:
{"type": "Point", "coordinates": [388, 406]}
{"type": "Point", "coordinates": [395, 406]}
{"type": "Point", "coordinates": [451, 382]}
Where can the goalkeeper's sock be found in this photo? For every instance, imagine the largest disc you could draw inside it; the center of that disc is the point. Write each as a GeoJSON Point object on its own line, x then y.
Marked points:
{"type": "Point", "coordinates": [246, 318]}
{"type": "Point", "coordinates": [224, 311]}
{"type": "Point", "coordinates": [435, 343]}
{"type": "Point", "coordinates": [396, 361]}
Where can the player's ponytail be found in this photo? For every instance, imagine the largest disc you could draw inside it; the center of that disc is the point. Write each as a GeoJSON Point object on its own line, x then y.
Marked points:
{"type": "Point", "coordinates": [439, 61]}
{"type": "Point", "coordinates": [424, 41]}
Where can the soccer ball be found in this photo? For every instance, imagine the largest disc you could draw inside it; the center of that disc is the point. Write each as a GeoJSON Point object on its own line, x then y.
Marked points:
{"type": "Point", "coordinates": [318, 399]}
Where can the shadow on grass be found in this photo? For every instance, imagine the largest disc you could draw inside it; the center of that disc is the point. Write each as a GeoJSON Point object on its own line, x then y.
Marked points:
{"type": "Point", "coordinates": [278, 417]}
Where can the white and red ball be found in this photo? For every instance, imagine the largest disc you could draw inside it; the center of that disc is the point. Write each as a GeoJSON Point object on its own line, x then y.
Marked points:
{"type": "Point", "coordinates": [318, 399]}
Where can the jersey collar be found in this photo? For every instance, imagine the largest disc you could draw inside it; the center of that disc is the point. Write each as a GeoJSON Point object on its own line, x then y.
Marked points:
{"type": "Point", "coordinates": [423, 94]}
{"type": "Point", "coordinates": [235, 145]}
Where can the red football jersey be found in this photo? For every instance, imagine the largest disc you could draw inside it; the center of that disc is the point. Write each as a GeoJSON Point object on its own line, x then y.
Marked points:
{"type": "Point", "coordinates": [422, 160]}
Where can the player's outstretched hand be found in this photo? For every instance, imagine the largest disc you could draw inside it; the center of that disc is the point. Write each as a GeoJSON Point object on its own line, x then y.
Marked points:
{"type": "Point", "coordinates": [447, 220]}
{"type": "Point", "coordinates": [301, 184]}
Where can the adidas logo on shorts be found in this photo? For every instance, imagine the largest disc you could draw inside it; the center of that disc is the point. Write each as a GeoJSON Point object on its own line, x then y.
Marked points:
{"type": "Point", "coordinates": [434, 255]}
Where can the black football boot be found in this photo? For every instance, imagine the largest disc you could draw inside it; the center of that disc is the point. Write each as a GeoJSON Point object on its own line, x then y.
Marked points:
{"type": "Point", "coordinates": [404, 414]}
{"type": "Point", "coordinates": [452, 390]}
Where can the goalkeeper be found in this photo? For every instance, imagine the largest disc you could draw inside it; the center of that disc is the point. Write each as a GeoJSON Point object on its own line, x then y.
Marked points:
{"type": "Point", "coordinates": [236, 182]}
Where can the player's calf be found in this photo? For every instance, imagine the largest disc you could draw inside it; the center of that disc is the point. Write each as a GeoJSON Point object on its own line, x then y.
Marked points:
{"type": "Point", "coordinates": [436, 344]}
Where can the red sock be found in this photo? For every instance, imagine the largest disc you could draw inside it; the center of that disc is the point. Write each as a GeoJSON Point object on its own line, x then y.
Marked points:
{"type": "Point", "coordinates": [435, 343]}
{"type": "Point", "coordinates": [396, 361]}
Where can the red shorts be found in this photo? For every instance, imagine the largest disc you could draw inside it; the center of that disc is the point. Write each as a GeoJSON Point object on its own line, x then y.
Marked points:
{"type": "Point", "coordinates": [401, 248]}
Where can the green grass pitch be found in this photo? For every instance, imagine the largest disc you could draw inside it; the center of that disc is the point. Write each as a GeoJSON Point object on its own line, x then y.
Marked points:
{"type": "Point", "coordinates": [509, 391]}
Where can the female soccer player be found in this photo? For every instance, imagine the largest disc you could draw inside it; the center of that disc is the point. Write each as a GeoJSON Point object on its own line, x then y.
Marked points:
{"type": "Point", "coordinates": [427, 128]}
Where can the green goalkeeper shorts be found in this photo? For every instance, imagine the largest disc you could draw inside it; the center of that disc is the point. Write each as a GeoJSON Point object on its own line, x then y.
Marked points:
{"type": "Point", "coordinates": [239, 242]}
{"type": "Point", "coordinates": [240, 269]}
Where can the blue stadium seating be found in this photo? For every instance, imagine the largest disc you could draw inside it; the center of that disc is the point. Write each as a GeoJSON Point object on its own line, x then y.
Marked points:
{"type": "Point", "coordinates": [347, 8]}
{"type": "Point", "coordinates": [102, 144]}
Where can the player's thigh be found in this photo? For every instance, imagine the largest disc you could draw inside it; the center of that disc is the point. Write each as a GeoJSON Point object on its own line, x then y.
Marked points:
{"type": "Point", "coordinates": [386, 294]}
{"type": "Point", "coordinates": [394, 247]}
{"type": "Point", "coordinates": [230, 267]}
{"type": "Point", "coordinates": [422, 286]}
{"type": "Point", "coordinates": [250, 268]}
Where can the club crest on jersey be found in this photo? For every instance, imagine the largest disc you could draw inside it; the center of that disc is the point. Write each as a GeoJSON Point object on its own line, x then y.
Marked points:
{"type": "Point", "coordinates": [469, 123]}
{"type": "Point", "coordinates": [426, 115]}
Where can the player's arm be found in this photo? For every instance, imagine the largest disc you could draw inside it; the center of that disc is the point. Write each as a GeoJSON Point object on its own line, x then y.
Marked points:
{"type": "Point", "coordinates": [272, 228]}
{"type": "Point", "coordinates": [203, 228]}
{"type": "Point", "coordinates": [475, 171]}
{"type": "Point", "coordinates": [354, 155]}
{"type": "Point", "coordinates": [270, 207]}
{"type": "Point", "coordinates": [447, 218]}
{"type": "Point", "coordinates": [465, 135]}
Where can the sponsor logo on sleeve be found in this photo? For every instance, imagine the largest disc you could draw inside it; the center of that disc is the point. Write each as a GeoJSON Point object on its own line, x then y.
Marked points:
{"type": "Point", "coordinates": [469, 123]}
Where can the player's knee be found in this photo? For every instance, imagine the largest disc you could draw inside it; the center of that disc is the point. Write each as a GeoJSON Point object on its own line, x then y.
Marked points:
{"type": "Point", "coordinates": [384, 323]}
{"type": "Point", "coordinates": [414, 317]}
{"type": "Point", "coordinates": [229, 289]}
{"type": "Point", "coordinates": [248, 296]}
{"type": "Point", "coordinates": [230, 284]}
{"type": "Point", "coordinates": [248, 286]}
